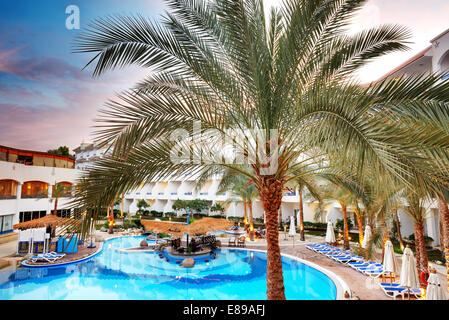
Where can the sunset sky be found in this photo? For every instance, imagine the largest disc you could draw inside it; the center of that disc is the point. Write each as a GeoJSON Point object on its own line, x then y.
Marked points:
{"type": "Point", "coordinates": [47, 100]}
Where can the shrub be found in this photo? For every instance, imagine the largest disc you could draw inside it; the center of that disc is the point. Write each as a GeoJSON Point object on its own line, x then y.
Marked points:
{"type": "Point", "coordinates": [427, 239]}
{"type": "Point", "coordinates": [340, 224]}
{"type": "Point", "coordinates": [321, 225]}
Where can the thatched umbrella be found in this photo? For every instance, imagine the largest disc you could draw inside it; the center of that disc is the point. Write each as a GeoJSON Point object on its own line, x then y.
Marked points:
{"type": "Point", "coordinates": [199, 227]}
{"type": "Point", "coordinates": [164, 227]}
{"type": "Point", "coordinates": [48, 220]}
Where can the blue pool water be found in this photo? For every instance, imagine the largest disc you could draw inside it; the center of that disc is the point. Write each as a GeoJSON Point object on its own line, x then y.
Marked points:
{"type": "Point", "coordinates": [112, 274]}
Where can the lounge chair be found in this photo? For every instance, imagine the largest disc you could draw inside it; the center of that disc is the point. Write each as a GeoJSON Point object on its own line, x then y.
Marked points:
{"type": "Point", "coordinates": [348, 258]}
{"type": "Point", "coordinates": [232, 242]}
{"type": "Point", "coordinates": [57, 255]}
{"type": "Point", "coordinates": [376, 273]}
{"type": "Point", "coordinates": [241, 242]}
{"type": "Point", "coordinates": [393, 290]}
{"type": "Point", "coordinates": [43, 257]}
{"type": "Point", "coordinates": [370, 266]}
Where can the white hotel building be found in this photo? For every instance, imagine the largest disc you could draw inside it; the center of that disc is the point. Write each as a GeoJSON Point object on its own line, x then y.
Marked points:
{"type": "Point", "coordinates": [25, 174]}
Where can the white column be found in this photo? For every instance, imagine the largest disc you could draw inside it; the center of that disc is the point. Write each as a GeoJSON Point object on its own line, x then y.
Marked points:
{"type": "Point", "coordinates": [17, 207]}
{"type": "Point", "coordinates": [49, 209]}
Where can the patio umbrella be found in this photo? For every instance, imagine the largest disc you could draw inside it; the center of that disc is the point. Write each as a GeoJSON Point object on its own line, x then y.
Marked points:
{"type": "Point", "coordinates": [366, 237]}
{"type": "Point", "coordinates": [45, 221]}
{"type": "Point", "coordinates": [435, 289]}
{"type": "Point", "coordinates": [389, 261]}
{"type": "Point", "coordinates": [409, 276]}
{"type": "Point", "coordinates": [292, 230]}
{"type": "Point", "coordinates": [330, 235]}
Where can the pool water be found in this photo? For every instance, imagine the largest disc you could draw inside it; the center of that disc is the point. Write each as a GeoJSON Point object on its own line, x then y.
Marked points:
{"type": "Point", "coordinates": [112, 274]}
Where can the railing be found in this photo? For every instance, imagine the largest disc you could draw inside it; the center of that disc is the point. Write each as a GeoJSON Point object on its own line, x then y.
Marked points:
{"type": "Point", "coordinates": [161, 193]}
{"type": "Point", "coordinates": [7, 197]}
{"type": "Point", "coordinates": [149, 193]}
{"type": "Point", "coordinates": [34, 196]}
{"type": "Point", "coordinates": [204, 193]}
{"type": "Point", "coordinates": [173, 193]}
{"type": "Point", "coordinates": [290, 194]}
{"type": "Point", "coordinates": [188, 193]}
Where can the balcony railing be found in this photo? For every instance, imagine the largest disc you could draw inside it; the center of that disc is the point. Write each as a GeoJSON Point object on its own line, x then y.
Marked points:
{"type": "Point", "coordinates": [173, 193]}
{"type": "Point", "coordinates": [34, 196]}
{"type": "Point", "coordinates": [290, 194]}
{"type": "Point", "coordinates": [204, 193]}
{"type": "Point", "coordinates": [188, 193]}
{"type": "Point", "coordinates": [7, 197]}
{"type": "Point", "coordinates": [161, 193]}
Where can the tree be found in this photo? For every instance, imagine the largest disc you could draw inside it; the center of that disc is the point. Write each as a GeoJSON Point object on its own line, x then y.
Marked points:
{"type": "Point", "coordinates": [285, 78]}
{"type": "Point", "coordinates": [198, 205]}
{"type": "Point", "coordinates": [217, 207]}
{"type": "Point", "coordinates": [181, 205]}
{"type": "Point", "coordinates": [141, 206]}
{"type": "Point", "coordinates": [61, 151]}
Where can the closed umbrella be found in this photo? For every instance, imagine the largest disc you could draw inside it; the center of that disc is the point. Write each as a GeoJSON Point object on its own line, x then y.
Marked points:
{"type": "Point", "coordinates": [435, 289]}
{"type": "Point", "coordinates": [389, 262]}
{"type": "Point", "coordinates": [330, 235]}
{"type": "Point", "coordinates": [409, 275]}
{"type": "Point", "coordinates": [292, 230]}
{"type": "Point", "coordinates": [366, 237]}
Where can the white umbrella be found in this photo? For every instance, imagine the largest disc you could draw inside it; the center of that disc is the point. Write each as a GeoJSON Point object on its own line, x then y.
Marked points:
{"type": "Point", "coordinates": [330, 235]}
{"type": "Point", "coordinates": [390, 263]}
{"type": "Point", "coordinates": [292, 230]}
{"type": "Point", "coordinates": [435, 289]}
{"type": "Point", "coordinates": [409, 275]}
{"type": "Point", "coordinates": [366, 237]}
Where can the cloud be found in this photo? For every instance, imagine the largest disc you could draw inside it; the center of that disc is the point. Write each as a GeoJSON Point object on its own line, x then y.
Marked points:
{"type": "Point", "coordinates": [38, 68]}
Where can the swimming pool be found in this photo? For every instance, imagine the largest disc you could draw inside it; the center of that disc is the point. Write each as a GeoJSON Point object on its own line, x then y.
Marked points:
{"type": "Point", "coordinates": [113, 274]}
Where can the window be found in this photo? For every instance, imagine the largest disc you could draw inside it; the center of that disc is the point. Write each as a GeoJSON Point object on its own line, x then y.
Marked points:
{"type": "Point", "coordinates": [6, 223]}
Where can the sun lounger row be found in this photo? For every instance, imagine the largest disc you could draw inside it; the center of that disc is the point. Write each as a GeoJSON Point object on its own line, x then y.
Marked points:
{"type": "Point", "coordinates": [368, 268]}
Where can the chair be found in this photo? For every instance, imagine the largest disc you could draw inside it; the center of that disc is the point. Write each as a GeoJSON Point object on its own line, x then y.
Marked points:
{"type": "Point", "coordinates": [232, 242]}
{"type": "Point", "coordinates": [57, 255]}
{"type": "Point", "coordinates": [241, 242]}
{"type": "Point", "coordinates": [43, 257]}
{"type": "Point", "coordinates": [393, 290]}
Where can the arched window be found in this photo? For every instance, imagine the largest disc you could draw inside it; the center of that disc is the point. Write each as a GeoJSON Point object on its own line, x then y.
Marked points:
{"type": "Point", "coordinates": [8, 189]}
{"type": "Point", "coordinates": [444, 62]}
{"type": "Point", "coordinates": [34, 189]}
{"type": "Point", "coordinates": [62, 189]}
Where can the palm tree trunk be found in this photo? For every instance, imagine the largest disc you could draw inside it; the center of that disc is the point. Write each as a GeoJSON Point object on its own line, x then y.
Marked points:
{"type": "Point", "coordinates": [444, 216]}
{"type": "Point", "coordinates": [358, 215]}
{"type": "Point", "coordinates": [422, 262]}
{"type": "Point", "coordinates": [55, 210]}
{"type": "Point", "coordinates": [245, 218]}
{"type": "Point", "coordinates": [398, 228]}
{"type": "Point", "coordinates": [251, 220]}
{"type": "Point", "coordinates": [121, 205]}
{"type": "Point", "coordinates": [345, 228]}
{"type": "Point", "coordinates": [301, 217]}
{"type": "Point", "coordinates": [271, 197]}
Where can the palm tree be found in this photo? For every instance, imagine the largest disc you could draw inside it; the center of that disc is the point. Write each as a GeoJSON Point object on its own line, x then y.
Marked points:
{"type": "Point", "coordinates": [224, 65]}
{"type": "Point", "coordinates": [306, 183]}
{"type": "Point", "coordinates": [242, 190]}
{"type": "Point", "coordinates": [415, 209]}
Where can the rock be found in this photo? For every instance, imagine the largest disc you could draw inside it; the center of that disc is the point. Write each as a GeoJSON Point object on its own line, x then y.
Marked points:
{"type": "Point", "coordinates": [188, 263]}
{"type": "Point", "coordinates": [143, 243]}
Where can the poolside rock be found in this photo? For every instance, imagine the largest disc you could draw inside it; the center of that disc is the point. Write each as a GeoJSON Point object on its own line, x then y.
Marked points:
{"type": "Point", "coordinates": [188, 263]}
{"type": "Point", "coordinates": [143, 244]}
